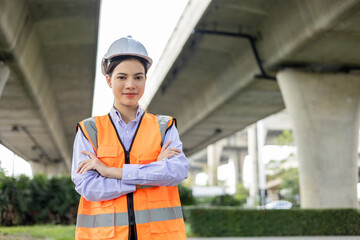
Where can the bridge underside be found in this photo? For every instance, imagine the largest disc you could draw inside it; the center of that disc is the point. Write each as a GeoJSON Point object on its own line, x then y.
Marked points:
{"type": "Point", "coordinates": [50, 49]}
{"type": "Point", "coordinates": [210, 86]}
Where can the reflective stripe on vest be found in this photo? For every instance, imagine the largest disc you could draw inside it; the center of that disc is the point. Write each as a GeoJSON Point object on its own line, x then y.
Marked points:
{"type": "Point", "coordinates": [121, 219]}
{"type": "Point", "coordinates": [163, 121]}
{"type": "Point", "coordinates": [90, 126]}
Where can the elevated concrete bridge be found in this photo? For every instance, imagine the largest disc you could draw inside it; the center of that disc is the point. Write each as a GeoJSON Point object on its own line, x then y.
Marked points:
{"type": "Point", "coordinates": [47, 72]}
{"type": "Point", "coordinates": [210, 73]}
{"type": "Point", "coordinates": [216, 76]}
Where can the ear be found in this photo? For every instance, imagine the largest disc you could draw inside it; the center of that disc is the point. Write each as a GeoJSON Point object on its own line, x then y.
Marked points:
{"type": "Point", "coordinates": [108, 80]}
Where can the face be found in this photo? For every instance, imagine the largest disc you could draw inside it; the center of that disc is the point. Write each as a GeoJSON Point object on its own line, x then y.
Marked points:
{"type": "Point", "coordinates": [127, 83]}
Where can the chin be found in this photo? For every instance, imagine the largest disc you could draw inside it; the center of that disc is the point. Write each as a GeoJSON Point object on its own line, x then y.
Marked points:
{"type": "Point", "coordinates": [130, 104]}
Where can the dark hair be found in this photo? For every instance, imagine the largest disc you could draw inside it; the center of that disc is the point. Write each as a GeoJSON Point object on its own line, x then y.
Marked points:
{"type": "Point", "coordinates": [117, 60]}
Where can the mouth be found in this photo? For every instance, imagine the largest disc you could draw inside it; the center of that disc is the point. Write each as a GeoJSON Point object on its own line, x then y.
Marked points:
{"type": "Point", "coordinates": [129, 94]}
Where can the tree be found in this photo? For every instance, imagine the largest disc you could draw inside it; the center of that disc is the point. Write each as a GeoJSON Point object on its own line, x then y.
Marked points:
{"type": "Point", "coordinates": [285, 138]}
{"type": "Point", "coordinates": [290, 189]}
{"type": "Point", "coordinates": [241, 193]}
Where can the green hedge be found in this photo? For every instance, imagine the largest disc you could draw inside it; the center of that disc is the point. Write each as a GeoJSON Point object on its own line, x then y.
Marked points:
{"type": "Point", "coordinates": [230, 221]}
{"type": "Point", "coordinates": [226, 200]}
{"type": "Point", "coordinates": [26, 201]}
{"type": "Point", "coordinates": [186, 196]}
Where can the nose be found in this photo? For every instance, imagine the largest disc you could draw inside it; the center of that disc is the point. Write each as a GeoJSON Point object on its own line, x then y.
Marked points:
{"type": "Point", "coordinates": [130, 84]}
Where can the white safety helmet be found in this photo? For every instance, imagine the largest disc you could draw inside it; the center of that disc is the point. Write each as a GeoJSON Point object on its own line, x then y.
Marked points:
{"type": "Point", "coordinates": [125, 46]}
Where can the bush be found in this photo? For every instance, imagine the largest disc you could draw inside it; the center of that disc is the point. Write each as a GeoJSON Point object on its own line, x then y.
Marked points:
{"type": "Point", "coordinates": [186, 196]}
{"type": "Point", "coordinates": [64, 200]}
{"type": "Point", "coordinates": [39, 200]}
{"type": "Point", "coordinates": [14, 200]}
{"type": "Point", "coordinates": [230, 221]}
{"type": "Point", "coordinates": [225, 200]}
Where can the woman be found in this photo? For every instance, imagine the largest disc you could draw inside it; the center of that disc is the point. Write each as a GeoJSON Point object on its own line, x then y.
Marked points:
{"type": "Point", "coordinates": [124, 173]}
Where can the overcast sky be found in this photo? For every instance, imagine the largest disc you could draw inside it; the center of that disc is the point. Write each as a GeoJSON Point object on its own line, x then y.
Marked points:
{"type": "Point", "coordinates": [150, 22]}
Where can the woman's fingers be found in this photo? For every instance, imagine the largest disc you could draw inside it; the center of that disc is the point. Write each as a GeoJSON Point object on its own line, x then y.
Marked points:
{"type": "Point", "coordinates": [167, 152]}
{"type": "Point", "coordinates": [86, 165]}
{"type": "Point", "coordinates": [85, 169]}
{"type": "Point", "coordinates": [81, 165]}
{"type": "Point", "coordinates": [81, 170]}
{"type": "Point", "coordinates": [170, 153]}
{"type": "Point", "coordinates": [90, 165]}
{"type": "Point", "coordinates": [175, 150]}
{"type": "Point", "coordinates": [165, 146]}
{"type": "Point", "coordinates": [90, 154]}
{"type": "Point", "coordinates": [173, 154]}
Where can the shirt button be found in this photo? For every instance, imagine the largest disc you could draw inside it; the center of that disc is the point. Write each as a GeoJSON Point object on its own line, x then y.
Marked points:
{"type": "Point", "coordinates": [129, 175]}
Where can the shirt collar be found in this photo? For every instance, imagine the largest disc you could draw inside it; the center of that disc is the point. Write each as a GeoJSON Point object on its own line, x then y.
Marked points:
{"type": "Point", "coordinates": [115, 113]}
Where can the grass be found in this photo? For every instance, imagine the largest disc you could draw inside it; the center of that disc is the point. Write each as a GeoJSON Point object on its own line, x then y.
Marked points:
{"type": "Point", "coordinates": [49, 232]}
{"type": "Point", "coordinates": [189, 233]}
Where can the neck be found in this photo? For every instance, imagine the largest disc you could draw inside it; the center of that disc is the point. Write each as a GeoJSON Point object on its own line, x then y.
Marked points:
{"type": "Point", "coordinates": [127, 113]}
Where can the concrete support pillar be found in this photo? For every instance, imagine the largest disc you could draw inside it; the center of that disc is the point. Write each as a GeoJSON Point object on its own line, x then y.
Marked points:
{"type": "Point", "coordinates": [238, 158]}
{"type": "Point", "coordinates": [261, 136]}
{"type": "Point", "coordinates": [252, 149]}
{"type": "Point", "coordinates": [4, 75]}
{"type": "Point", "coordinates": [325, 113]}
{"type": "Point", "coordinates": [213, 158]}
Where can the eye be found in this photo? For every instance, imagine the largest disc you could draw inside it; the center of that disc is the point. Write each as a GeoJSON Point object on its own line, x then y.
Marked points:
{"type": "Point", "coordinates": [139, 77]}
{"type": "Point", "coordinates": [121, 77]}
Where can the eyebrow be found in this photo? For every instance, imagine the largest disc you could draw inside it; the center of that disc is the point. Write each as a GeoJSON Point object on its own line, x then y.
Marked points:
{"type": "Point", "coordinates": [139, 73]}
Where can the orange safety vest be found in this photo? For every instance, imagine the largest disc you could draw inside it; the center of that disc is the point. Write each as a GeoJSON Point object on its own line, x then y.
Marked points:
{"type": "Point", "coordinates": [149, 212]}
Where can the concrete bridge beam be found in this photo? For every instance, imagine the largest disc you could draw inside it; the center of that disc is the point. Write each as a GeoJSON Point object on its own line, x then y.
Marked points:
{"type": "Point", "coordinates": [4, 75]}
{"type": "Point", "coordinates": [325, 112]}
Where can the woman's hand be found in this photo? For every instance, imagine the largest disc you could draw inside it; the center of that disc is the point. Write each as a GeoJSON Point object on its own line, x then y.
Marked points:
{"type": "Point", "coordinates": [92, 164]}
{"type": "Point", "coordinates": [167, 152]}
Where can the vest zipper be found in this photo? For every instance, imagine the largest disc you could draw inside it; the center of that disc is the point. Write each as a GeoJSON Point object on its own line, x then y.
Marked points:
{"type": "Point", "coordinates": [129, 196]}
{"type": "Point", "coordinates": [130, 203]}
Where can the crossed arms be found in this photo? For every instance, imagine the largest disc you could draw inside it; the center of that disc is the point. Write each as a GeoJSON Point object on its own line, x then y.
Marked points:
{"type": "Point", "coordinates": [95, 181]}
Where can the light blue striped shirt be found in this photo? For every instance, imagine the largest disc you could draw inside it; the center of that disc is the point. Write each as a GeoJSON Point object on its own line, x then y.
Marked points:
{"type": "Point", "coordinates": [93, 187]}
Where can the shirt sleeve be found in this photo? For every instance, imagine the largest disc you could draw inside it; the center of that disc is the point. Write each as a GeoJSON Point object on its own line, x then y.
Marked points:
{"type": "Point", "coordinates": [167, 172]}
{"type": "Point", "coordinates": [91, 185]}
